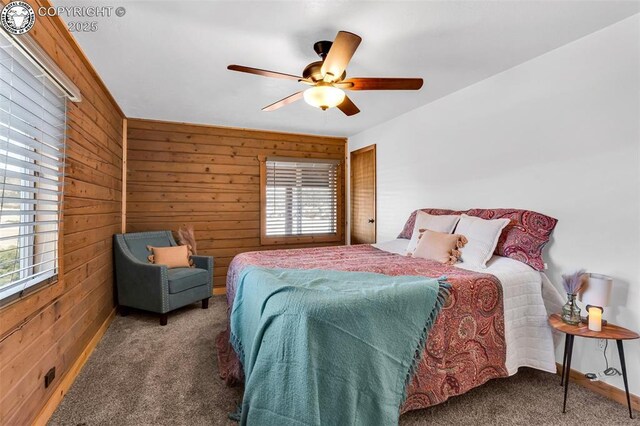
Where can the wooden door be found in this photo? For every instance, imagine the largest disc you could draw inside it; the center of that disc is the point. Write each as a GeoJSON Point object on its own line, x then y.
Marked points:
{"type": "Point", "coordinates": [363, 195]}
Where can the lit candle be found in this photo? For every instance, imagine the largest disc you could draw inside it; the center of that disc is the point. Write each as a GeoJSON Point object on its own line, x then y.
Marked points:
{"type": "Point", "coordinates": [595, 318]}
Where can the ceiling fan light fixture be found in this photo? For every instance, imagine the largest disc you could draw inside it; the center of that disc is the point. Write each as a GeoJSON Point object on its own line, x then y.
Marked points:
{"type": "Point", "coordinates": [328, 77]}
{"type": "Point", "coordinates": [324, 97]}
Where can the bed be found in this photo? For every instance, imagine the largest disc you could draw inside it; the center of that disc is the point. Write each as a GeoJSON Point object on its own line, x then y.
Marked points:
{"type": "Point", "coordinates": [494, 321]}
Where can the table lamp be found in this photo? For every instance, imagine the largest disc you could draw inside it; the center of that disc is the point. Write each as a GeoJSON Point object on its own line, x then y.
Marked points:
{"type": "Point", "coordinates": [595, 294]}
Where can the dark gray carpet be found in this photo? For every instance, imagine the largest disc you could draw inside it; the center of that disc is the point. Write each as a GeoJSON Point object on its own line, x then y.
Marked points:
{"type": "Point", "coordinates": [144, 374]}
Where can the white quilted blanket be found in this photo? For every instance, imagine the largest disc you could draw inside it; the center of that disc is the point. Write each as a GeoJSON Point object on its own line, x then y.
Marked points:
{"type": "Point", "coordinates": [529, 298]}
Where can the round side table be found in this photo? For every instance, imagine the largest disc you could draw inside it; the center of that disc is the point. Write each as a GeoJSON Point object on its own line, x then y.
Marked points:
{"type": "Point", "coordinates": [609, 331]}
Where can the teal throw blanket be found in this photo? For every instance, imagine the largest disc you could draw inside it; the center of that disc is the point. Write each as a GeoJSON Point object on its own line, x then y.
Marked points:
{"type": "Point", "coordinates": [328, 347]}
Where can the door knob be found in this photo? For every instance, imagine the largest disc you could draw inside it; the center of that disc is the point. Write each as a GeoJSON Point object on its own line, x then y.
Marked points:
{"type": "Point", "coordinates": [371, 220]}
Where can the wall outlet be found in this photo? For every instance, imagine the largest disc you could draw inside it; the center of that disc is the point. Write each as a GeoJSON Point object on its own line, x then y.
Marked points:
{"type": "Point", "coordinates": [602, 344]}
{"type": "Point", "coordinates": [48, 378]}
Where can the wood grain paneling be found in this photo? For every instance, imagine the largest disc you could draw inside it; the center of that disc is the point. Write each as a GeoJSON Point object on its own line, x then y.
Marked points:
{"type": "Point", "coordinates": [53, 326]}
{"type": "Point", "coordinates": [206, 176]}
{"type": "Point", "coordinates": [363, 195]}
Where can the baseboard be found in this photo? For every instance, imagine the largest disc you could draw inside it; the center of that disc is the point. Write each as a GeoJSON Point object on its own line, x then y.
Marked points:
{"type": "Point", "coordinates": [602, 388]}
{"type": "Point", "coordinates": [217, 291]}
{"type": "Point", "coordinates": [65, 384]}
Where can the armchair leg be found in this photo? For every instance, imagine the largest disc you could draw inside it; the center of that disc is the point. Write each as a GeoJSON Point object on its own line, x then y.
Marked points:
{"type": "Point", "coordinates": [205, 303]}
{"type": "Point", "coordinates": [124, 310]}
{"type": "Point", "coordinates": [163, 319]}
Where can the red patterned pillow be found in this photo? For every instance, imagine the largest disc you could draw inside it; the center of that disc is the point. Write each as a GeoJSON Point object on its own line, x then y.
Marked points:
{"type": "Point", "coordinates": [407, 231]}
{"type": "Point", "coordinates": [523, 239]}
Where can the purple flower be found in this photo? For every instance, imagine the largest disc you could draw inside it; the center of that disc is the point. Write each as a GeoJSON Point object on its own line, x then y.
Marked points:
{"type": "Point", "coordinates": [573, 282]}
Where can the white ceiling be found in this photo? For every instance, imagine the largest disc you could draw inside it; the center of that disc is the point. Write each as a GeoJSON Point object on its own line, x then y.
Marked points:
{"type": "Point", "coordinates": [167, 60]}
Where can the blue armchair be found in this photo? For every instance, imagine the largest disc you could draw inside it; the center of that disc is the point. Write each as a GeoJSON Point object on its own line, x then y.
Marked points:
{"type": "Point", "coordinates": [156, 288]}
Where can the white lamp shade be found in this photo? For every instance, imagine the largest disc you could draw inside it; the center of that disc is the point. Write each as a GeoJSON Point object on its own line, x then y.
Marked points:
{"type": "Point", "coordinates": [597, 290]}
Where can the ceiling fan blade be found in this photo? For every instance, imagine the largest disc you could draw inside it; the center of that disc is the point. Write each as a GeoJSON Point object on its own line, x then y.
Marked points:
{"type": "Point", "coordinates": [342, 49]}
{"type": "Point", "coordinates": [282, 102]}
{"type": "Point", "coordinates": [348, 107]}
{"type": "Point", "coordinates": [374, 83]}
{"type": "Point", "coordinates": [264, 73]}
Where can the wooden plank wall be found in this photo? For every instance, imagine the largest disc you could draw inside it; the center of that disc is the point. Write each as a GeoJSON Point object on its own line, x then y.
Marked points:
{"type": "Point", "coordinates": [208, 177]}
{"type": "Point", "coordinates": [51, 327]}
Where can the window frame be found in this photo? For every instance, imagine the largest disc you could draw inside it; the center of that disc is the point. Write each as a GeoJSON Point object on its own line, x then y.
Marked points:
{"type": "Point", "coordinates": [28, 254]}
{"type": "Point", "coordinates": [338, 236]}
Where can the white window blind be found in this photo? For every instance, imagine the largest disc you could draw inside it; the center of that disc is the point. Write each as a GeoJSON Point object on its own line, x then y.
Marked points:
{"type": "Point", "coordinates": [32, 143]}
{"type": "Point", "coordinates": [301, 197]}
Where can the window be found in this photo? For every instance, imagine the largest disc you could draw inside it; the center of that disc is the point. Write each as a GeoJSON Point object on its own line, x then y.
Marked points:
{"type": "Point", "coordinates": [301, 200]}
{"type": "Point", "coordinates": [32, 136]}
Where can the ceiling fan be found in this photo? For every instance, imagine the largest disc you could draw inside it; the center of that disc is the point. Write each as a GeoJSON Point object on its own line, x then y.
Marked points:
{"type": "Point", "coordinates": [327, 77]}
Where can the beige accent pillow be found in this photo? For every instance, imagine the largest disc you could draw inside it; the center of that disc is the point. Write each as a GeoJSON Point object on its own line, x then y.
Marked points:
{"type": "Point", "coordinates": [438, 246]}
{"type": "Point", "coordinates": [172, 257]}
{"type": "Point", "coordinates": [441, 223]}
{"type": "Point", "coordinates": [483, 237]}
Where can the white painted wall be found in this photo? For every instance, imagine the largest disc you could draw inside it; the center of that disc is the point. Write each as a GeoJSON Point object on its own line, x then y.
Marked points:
{"type": "Point", "coordinates": [558, 134]}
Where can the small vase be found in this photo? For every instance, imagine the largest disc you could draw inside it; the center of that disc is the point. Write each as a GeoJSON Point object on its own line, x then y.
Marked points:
{"type": "Point", "coordinates": [571, 310]}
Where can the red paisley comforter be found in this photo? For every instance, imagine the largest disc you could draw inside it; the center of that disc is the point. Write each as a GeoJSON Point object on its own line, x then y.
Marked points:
{"type": "Point", "coordinates": [466, 345]}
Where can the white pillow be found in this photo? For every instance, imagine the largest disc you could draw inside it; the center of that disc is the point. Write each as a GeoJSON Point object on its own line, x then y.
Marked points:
{"type": "Point", "coordinates": [482, 236]}
{"type": "Point", "coordinates": [443, 223]}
